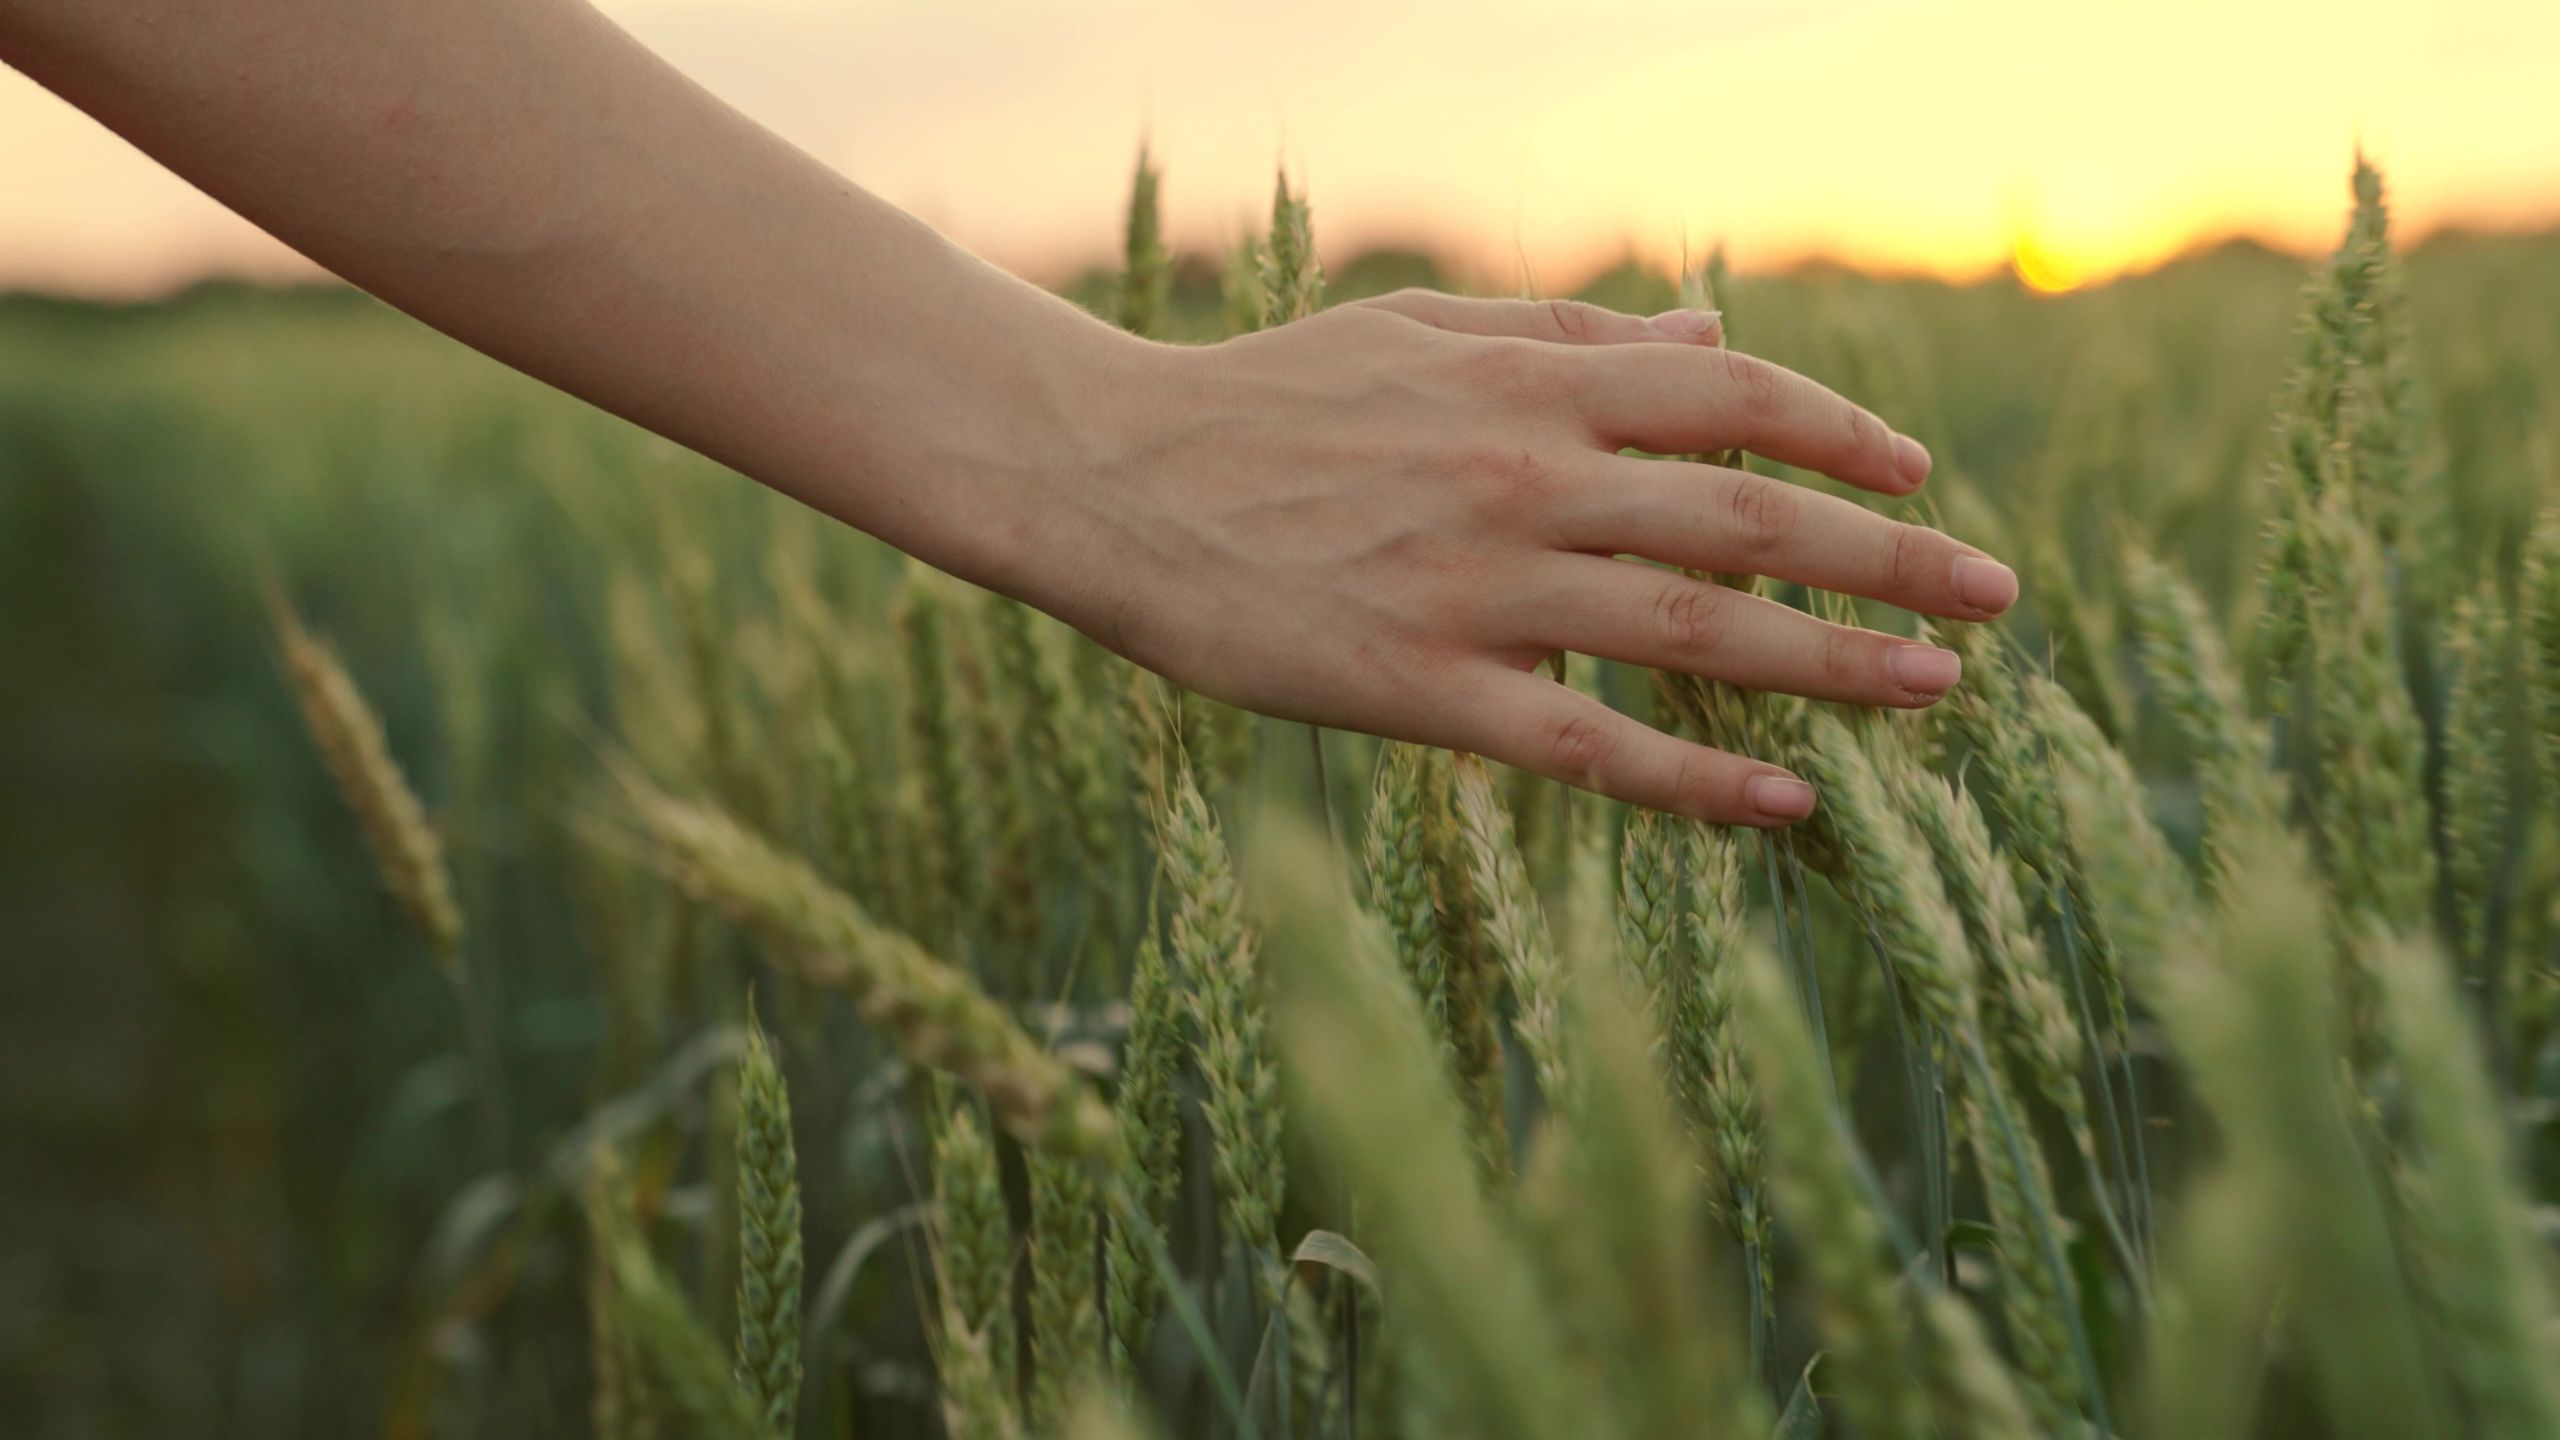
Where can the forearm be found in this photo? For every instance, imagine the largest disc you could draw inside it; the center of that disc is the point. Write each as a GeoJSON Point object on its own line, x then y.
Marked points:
{"type": "Point", "coordinates": [525, 177]}
{"type": "Point", "coordinates": [1385, 517]}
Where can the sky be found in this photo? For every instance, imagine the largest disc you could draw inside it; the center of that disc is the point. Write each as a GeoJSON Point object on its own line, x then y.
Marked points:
{"type": "Point", "coordinates": [1535, 142]}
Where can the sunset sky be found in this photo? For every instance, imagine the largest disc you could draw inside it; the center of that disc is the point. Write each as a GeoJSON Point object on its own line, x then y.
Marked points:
{"type": "Point", "coordinates": [1936, 135]}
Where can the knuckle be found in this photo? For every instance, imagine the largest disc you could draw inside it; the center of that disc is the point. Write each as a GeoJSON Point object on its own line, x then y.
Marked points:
{"type": "Point", "coordinates": [1694, 619]}
{"type": "Point", "coordinates": [1758, 388]}
{"type": "Point", "coordinates": [1578, 746]}
{"type": "Point", "coordinates": [1416, 303]}
{"type": "Point", "coordinates": [1698, 783]}
{"type": "Point", "coordinates": [1509, 374]}
{"type": "Point", "coordinates": [1760, 514]}
{"type": "Point", "coordinates": [1509, 484]}
{"type": "Point", "coordinates": [1573, 320]}
{"type": "Point", "coordinates": [1908, 557]}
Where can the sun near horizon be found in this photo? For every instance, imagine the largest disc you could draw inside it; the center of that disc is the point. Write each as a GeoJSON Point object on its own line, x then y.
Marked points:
{"type": "Point", "coordinates": [2041, 270]}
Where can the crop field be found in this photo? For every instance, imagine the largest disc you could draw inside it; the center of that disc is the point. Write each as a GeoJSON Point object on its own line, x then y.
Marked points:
{"type": "Point", "coordinates": [514, 931]}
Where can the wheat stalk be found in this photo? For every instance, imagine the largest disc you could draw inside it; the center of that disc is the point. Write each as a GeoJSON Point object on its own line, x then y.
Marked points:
{"type": "Point", "coordinates": [973, 1257]}
{"type": "Point", "coordinates": [2531, 989]}
{"type": "Point", "coordinates": [348, 733]}
{"type": "Point", "coordinates": [1623, 1229]}
{"type": "Point", "coordinates": [2028, 1013]}
{"type": "Point", "coordinates": [1217, 953]}
{"type": "Point", "coordinates": [2371, 805]}
{"type": "Point", "coordinates": [1974, 1394]}
{"type": "Point", "coordinates": [2010, 766]}
{"type": "Point", "coordinates": [621, 1406]}
{"type": "Point", "coordinates": [2541, 597]}
{"type": "Point", "coordinates": [1515, 924]}
{"type": "Point", "coordinates": [768, 1238]}
{"type": "Point", "coordinates": [935, 1014]}
{"type": "Point", "coordinates": [684, 1360]}
{"type": "Point", "coordinates": [1648, 922]}
{"type": "Point", "coordinates": [943, 801]}
{"type": "Point", "coordinates": [1471, 965]}
{"type": "Point", "coordinates": [2037, 1297]}
{"type": "Point", "coordinates": [1364, 1069]}
{"type": "Point", "coordinates": [1053, 741]}
{"type": "Point", "coordinates": [2344, 464]}
{"type": "Point", "coordinates": [1888, 875]}
{"type": "Point", "coordinates": [1399, 875]}
{"type": "Point", "coordinates": [2251, 1004]}
{"type": "Point", "coordinates": [1146, 280]}
{"type": "Point", "coordinates": [2243, 794]}
{"type": "Point", "coordinates": [1150, 1115]}
{"type": "Point", "coordinates": [2487, 1273]}
{"type": "Point", "coordinates": [1066, 1324]}
{"type": "Point", "coordinates": [1292, 277]}
{"type": "Point", "coordinates": [1815, 1167]}
{"type": "Point", "coordinates": [2474, 776]}
{"type": "Point", "coordinates": [994, 728]}
{"type": "Point", "coordinates": [1708, 1055]}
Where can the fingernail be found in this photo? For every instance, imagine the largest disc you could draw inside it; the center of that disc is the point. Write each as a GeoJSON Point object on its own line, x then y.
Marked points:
{"type": "Point", "coordinates": [1923, 669]}
{"type": "Point", "coordinates": [1911, 459]}
{"type": "Point", "coordinates": [1983, 583]}
{"type": "Point", "coordinates": [1688, 324]}
{"type": "Point", "coordinates": [1778, 797]}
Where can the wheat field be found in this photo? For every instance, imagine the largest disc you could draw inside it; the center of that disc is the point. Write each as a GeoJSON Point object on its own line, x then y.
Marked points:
{"type": "Point", "coordinates": [518, 932]}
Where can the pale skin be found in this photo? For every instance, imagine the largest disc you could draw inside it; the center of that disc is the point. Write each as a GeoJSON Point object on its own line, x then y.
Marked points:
{"type": "Point", "coordinates": [1381, 518]}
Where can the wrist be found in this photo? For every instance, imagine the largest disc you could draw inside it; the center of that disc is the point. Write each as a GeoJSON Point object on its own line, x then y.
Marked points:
{"type": "Point", "coordinates": [1049, 519]}
{"type": "Point", "coordinates": [973, 421]}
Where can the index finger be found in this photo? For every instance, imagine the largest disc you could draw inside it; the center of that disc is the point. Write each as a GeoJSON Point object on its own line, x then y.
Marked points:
{"type": "Point", "coordinates": [1682, 399]}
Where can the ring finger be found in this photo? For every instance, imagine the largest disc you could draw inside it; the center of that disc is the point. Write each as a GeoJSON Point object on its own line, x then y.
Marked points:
{"type": "Point", "coordinates": [1642, 615]}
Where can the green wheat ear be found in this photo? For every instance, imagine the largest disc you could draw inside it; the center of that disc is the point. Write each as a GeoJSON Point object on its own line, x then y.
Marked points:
{"type": "Point", "coordinates": [1816, 1167]}
{"type": "Point", "coordinates": [935, 1014]}
{"type": "Point", "coordinates": [2540, 602]}
{"type": "Point", "coordinates": [2182, 651]}
{"type": "Point", "coordinates": [1149, 1109]}
{"type": "Point", "coordinates": [1375, 1090]}
{"type": "Point", "coordinates": [1010, 874]}
{"type": "Point", "coordinates": [1146, 280]}
{"type": "Point", "coordinates": [1066, 1325]}
{"type": "Point", "coordinates": [1399, 877]}
{"type": "Point", "coordinates": [1292, 276]}
{"type": "Point", "coordinates": [2487, 1275]}
{"type": "Point", "coordinates": [2371, 805]}
{"type": "Point", "coordinates": [1648, 921]}
{"type": "Point", "coordinates": [1706, 1054]}
{"type": "Point", "coordinates": [949, 821]}
{"type": "Point", "coordinates": [1472, 972]}
{"type": "Point", "coordinates": [1515, 924]}
{"type": "Point", "coordinates": [2475, 780]}
{"type": "Point", "coordinates": [683, 1359]}
{"type": "Point", "coordinates": [1218, 954]}
{"type": "Point", "coordinates": [769, 1272]}
{"type": "Point", "coordinates": [973, 1260]}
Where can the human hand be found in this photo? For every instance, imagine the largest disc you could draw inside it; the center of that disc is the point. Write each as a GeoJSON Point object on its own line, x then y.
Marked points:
{"type": "Point", "coordinates": [1384, 517]}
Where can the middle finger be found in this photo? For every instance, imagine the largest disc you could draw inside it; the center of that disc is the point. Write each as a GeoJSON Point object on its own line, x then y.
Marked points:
{"type": "Point", "coordinates": [1641, 615]}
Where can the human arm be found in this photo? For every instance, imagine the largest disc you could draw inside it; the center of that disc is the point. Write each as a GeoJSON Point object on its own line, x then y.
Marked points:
{"type": "Point", "coordinates": [1379, 519]}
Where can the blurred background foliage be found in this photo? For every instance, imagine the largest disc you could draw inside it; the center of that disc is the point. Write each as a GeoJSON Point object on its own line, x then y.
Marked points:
{"type": "Point", "coordinates": [235, 1136]}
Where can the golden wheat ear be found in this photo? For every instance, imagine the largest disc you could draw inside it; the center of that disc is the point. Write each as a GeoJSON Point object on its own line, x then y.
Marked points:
{"type": "Point", "coordinates": [348, 732]}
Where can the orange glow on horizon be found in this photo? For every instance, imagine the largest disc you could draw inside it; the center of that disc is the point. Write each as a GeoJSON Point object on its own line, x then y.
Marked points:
{"type": "Point", "coordinates": [1533, 142]}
